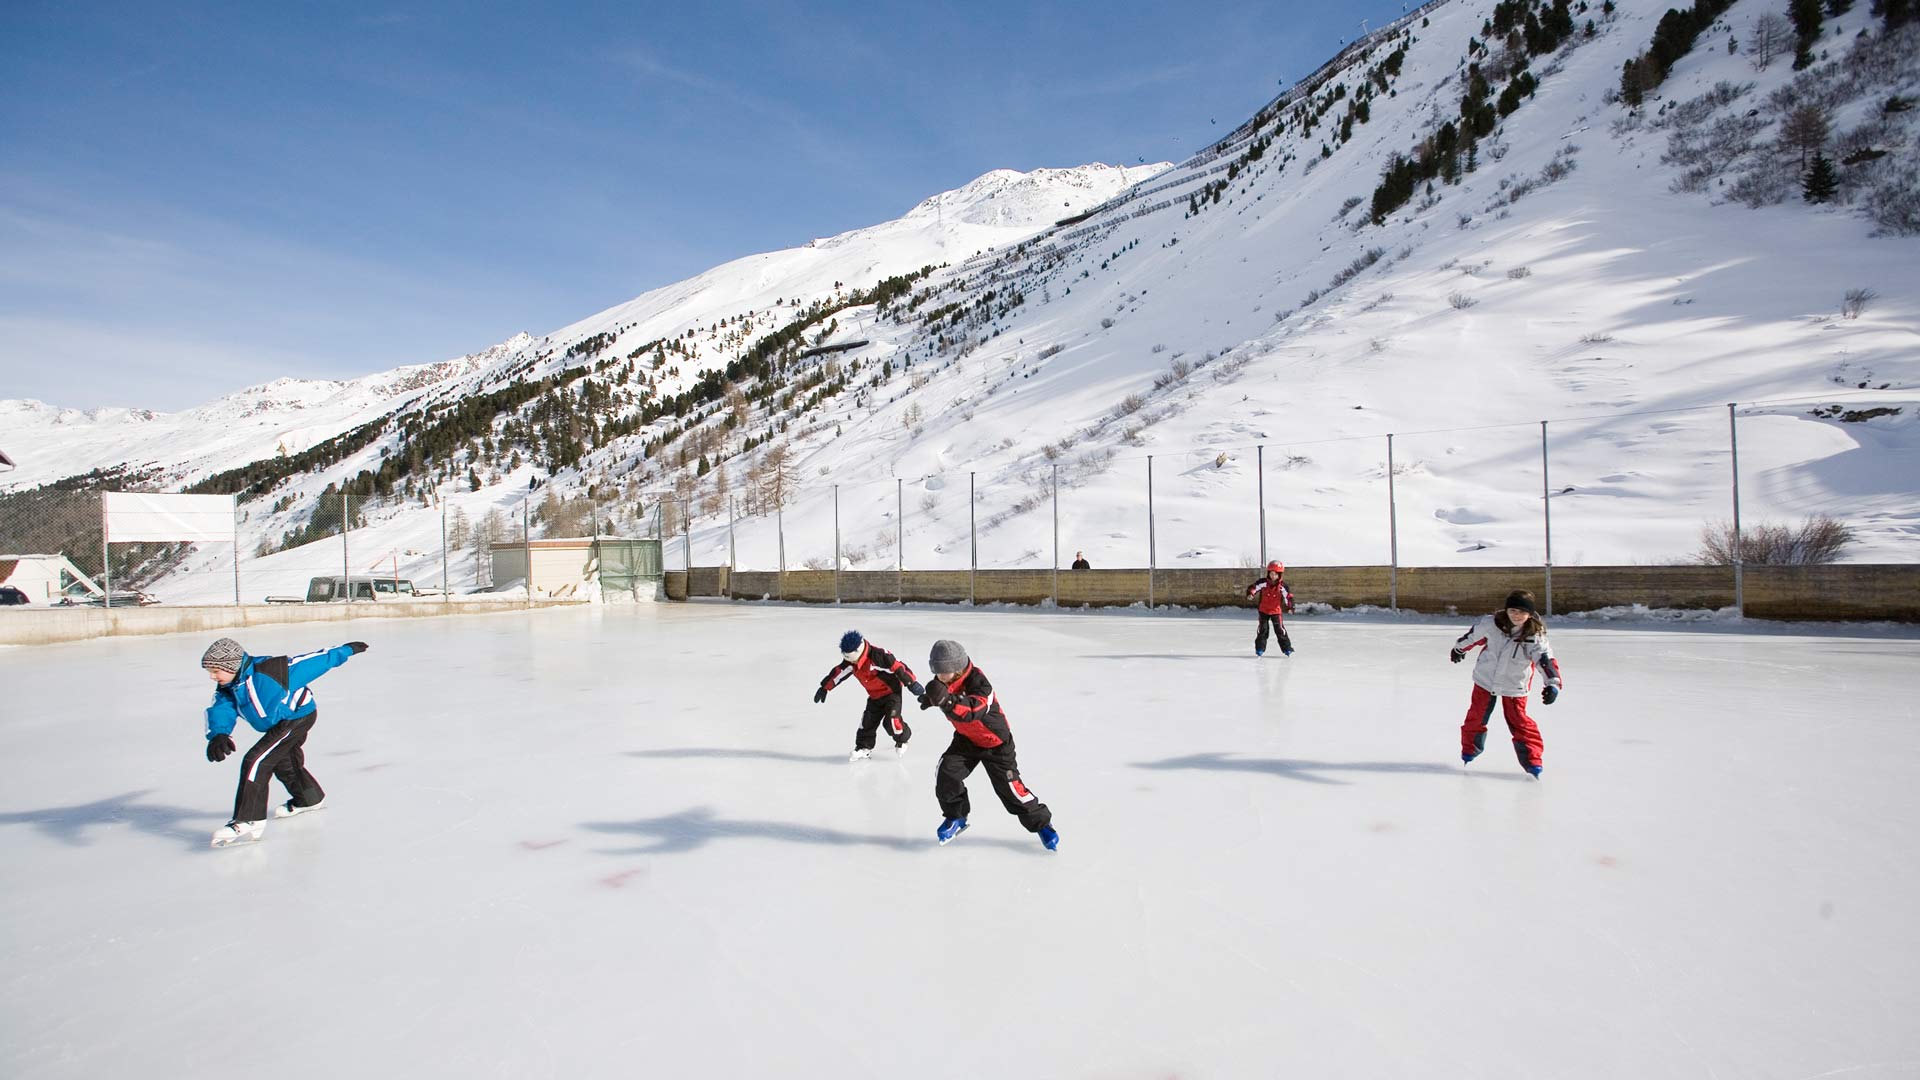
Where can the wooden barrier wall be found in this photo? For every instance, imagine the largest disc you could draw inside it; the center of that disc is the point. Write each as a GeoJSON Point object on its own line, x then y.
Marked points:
{"type": "Point", "coordinates": [1847, 591]}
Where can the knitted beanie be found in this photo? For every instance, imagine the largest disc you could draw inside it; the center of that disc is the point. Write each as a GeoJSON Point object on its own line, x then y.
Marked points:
{"type": "Point", "coordinates": [947, 657]}
{"type": "Point", "coordinates": [224, 655]}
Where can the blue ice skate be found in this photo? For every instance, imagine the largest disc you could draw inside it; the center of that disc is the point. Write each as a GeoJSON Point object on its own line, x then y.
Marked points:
{"type": "Point", "coordinates": [1259, 652]}
{"type": "Point", "coordinates": [950, 828]}
{"type": "Point", "coordinates": [1466, 758]}
{"type": "Point", "coordinates": [1050, 838]}
{"type": "Point", "coordinates": [1532, 770]}
{"type": "Point", "coordinates": [1286, 652]}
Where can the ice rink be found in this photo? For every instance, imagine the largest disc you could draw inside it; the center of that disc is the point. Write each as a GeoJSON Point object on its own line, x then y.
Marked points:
{"type": "Point", "coordinates": [625, 842]}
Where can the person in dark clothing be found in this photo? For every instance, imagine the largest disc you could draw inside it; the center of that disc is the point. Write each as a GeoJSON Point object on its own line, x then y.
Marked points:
{"type": "Point", "coordinates": [1080, 561]}
{"type": "Point", "coordinates": [884, 676]}
{"type": "Point", "coordinates": [1275, 599]}
{"type": "Point", "coordinates": [980, 737]}
{"type": "Point", "coordinates": [270, 693]}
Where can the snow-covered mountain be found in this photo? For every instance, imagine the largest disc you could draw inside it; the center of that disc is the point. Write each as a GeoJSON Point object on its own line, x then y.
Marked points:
{"type": "Point", "coordinates": [1568, 261]}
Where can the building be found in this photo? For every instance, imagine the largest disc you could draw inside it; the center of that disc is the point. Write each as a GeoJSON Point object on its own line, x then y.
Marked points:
{"type": "Point", "coordinates": [581, 568]}
{"type": "Point", "coordinates": [46, 579]}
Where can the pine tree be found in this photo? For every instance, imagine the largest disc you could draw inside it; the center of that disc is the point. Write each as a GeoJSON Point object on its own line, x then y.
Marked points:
{"type": "Point", "coordinates": [1821, 183]}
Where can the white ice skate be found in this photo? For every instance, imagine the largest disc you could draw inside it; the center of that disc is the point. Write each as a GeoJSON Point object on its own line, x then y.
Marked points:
{"type": "Point", "coordinates": [900, 750]}
{"type": "Point", "coordinates": [860, 755]}
{"type": "Point", "coordinates": [238, 832]}
{"type": "Point", "coordinates": [290, 809]}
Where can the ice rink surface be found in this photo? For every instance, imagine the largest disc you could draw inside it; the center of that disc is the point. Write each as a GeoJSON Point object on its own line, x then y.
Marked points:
{"type": "Point", "coordinates": [625, 842]}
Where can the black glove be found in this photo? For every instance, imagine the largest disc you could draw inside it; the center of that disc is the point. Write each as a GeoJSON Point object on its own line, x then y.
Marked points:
{"type": "Point", "coordinates": [916, 689]}
{"type": "Point", "coordinates": [935, 693]}
{"type": "Point", "coordinates": [219, 747]}
{"type": "Point", "coordinates": [358, 647]}
{"type": "Point", "coordinates": [1457, 655]}
{"type": "Point", "coordinates": [820, 695]}
{"type": "Point", "coordinates": [1549, 694]}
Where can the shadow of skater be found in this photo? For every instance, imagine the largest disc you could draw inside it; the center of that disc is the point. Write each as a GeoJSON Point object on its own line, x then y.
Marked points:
{"type": "Point", "coordinates": [695, 828]}
{"type": "Point", "coordinates": [725, 754]}
{"type": "Point", "coordinates": [68, 824]}
{"type": "Point", "coordinates": [1309, 771]}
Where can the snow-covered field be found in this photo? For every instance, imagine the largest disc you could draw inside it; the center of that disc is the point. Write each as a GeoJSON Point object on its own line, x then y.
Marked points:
{"type": "Point", "coordinates": [623, 842]}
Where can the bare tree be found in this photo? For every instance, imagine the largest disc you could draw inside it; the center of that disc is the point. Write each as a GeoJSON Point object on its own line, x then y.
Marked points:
{"type": "Point", "coordinates": [1768, 39]}
{"type": "Point", "coordinates": [1816, 541]}
{"type": "Point", "coordinates": [1805, 130]}
{"type": "Point", "coordinates": [778, 474]}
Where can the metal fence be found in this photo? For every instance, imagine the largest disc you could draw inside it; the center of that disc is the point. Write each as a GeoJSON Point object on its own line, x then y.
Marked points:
{"type": "Point", "coordinates": [1754, 482]}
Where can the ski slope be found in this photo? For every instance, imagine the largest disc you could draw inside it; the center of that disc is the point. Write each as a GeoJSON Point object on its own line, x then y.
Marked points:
{"type": "Point", "coordinates": [623, 841]}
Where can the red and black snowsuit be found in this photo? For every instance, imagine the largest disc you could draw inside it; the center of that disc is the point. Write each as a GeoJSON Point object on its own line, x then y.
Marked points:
{"type": "Point", "coordinates": [883, 674]}
{"type": "Point", "coordinates": [980, 737]}
{"type": "Point", "coordinates": [1275, 599]}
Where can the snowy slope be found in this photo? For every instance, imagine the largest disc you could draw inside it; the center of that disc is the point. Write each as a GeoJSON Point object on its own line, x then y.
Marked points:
{"type": "Point", "coordinates": [1564, 279]}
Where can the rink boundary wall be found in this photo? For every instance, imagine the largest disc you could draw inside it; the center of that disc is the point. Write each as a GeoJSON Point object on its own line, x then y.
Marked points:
{"type": "Point", "coordinates": [50, 626]}
{"type": "Point", "coordinates": [1846, 591]}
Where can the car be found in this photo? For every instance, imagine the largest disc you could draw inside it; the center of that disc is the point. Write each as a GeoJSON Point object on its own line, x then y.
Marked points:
{"type": "Point", "coordinates": [323, 590]}
{"type": "Point", "coordinates": [10, 596]}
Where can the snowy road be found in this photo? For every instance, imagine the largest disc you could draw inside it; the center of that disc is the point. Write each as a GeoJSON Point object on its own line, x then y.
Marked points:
{"type": "Point", "coordinates": [626, 843]}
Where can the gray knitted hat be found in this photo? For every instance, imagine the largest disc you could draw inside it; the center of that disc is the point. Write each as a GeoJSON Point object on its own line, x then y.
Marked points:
{"type": "Point", "coordinates": [223, 655]}
{"type": "Point", "coordinates": [947, 657]}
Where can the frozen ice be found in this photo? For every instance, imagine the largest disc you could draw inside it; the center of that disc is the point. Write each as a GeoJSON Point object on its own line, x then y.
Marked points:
{"type": "Point", "coordinates": [625, 842]}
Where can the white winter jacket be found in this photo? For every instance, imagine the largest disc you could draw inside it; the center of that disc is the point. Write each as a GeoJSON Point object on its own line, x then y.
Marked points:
{"type": "Point", "coordinates": [1505, 665]}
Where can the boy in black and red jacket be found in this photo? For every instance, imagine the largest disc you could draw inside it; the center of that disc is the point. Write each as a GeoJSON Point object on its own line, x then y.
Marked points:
{"type": "Point", "coordinates": [1275, 601]}
{"type": "Point", "coordinates": [884, 675]}
{"type": "Point", "coordinates": [980, 737]}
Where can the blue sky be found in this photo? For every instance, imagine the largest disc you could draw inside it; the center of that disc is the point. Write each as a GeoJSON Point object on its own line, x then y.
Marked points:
{"type": "Point", "coordinates": [199, 197]}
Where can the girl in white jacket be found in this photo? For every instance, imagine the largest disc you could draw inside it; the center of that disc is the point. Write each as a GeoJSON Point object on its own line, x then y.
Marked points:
{"type": "Point", "coordinates": [1512, 643]}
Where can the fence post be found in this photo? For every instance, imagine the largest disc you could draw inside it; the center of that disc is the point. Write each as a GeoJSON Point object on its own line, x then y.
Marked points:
{"type": "Point", "coordinates": [346, 564]}
{"type": "Point", "coordinates": [780, 529]}
{"type": "Point", "coordinates": [730, 555]}
{"type": "Point", "coordinates": [526, 540]}
{"type": "Point", "coordinates": [686, 535]}
{"type": "Point", "coordinates": [236, 551]}
{"type": "Point", "coordinates": [1393, 536]}
{"type": "Point", "coordinates": [1546, 514]}
{"type": "Point", "coordinates": [1056, 536]}
{"type": "Point", "coordinates": [1152, 555]}
{"type": "Point", "coordinates": [1739, 555]}
{"type": "Point", "coordinates": [836, 543]}
{"type": "Point", "coordinates": [899, 540]}
{"type": "Point", "coordinates": [446, 579]}
{"type": "Point", "coordinates": [1260, 474]}
{"type": "Point", "coordinates": [973, 547]}
{"type": "Point", "coordinates": [106, 557]}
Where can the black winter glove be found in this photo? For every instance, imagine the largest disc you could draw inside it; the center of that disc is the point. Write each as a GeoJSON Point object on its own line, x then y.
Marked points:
{"type": "Point", "coordinates": [820, 695]}
{"type": "Point", "coordinates": [358, 647]}
{"type": "Point", "coordinates": [1549, 695]}
{"type": "Point", "coordinates": [219, 747]}
{"type": "Point", "coordinates": [936, 693]}
{"type": "Point", "coordinates": [1457, 655]}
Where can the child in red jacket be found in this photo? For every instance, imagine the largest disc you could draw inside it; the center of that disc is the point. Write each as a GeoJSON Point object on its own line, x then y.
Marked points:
{"type": "Point", "coordinates": [1274, 600]}
{"type": "Point", "coordinates": [981, 737]}
{"type": "Point", "coordinates": [884, 676]}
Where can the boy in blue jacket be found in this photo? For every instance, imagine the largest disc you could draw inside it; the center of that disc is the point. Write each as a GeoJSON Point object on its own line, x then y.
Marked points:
{"type": "Point", "coordinates": [270, 693]}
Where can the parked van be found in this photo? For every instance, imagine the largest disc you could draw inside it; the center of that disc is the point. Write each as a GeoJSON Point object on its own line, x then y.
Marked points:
{"type": "Point", "coordinates": [322, 590]}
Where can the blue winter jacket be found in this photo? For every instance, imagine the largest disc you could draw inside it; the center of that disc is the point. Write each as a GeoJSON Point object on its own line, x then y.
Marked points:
{"type": "Point", "coordinates": [269, 689]}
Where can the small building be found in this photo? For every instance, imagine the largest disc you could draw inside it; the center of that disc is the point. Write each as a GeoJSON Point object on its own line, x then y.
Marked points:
{"type": "Point", "coordinates": [581, 568]}
{"type": "Point", "coordinates": [47, 579]}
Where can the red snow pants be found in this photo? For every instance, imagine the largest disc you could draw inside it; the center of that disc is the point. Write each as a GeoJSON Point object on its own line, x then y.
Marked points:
{"type": "Point", "coordinates": [1527, 745]}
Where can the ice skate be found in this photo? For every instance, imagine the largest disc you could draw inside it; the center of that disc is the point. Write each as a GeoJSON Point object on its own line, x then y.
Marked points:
{"type": "Point", "coordinates": [1259, 652]}
{"type": "Point", "coordinates": [860, 754]}
{"type": "Point", "coordinates": [293, 809]}
{"type": "Point", "coordinates": [899, 749]}
{"type": "Point", "coordinates": [950, 828]}
{"type": "Point", "coordinates": [1532, 770]}
{"type": "Point", "coordinates": [238, 832]}
{"type": "Point", "coordinates": [1049, 837]}
{"type": "Point", "coordinates": [1466, 758]}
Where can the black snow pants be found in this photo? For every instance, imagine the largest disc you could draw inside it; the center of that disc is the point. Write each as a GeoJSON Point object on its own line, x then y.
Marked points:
{"type": "Point", "coordinates": [882, 710]}
{"type": "Point", "coordinates": [1279, 629]}
{"type": "Point", "coordinates": [279, 753]}
{"type": "Point", "coordinates": [950, 783]}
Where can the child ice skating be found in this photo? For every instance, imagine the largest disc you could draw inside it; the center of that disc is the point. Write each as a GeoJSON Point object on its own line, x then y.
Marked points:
{"type": "Point", "coordinates": [884, 676]}
{"type": "Point", "coordinates": [980, 737]}
{"type": "Point", "coordinates": [1512, 642]}
{"type": "Point", "coordinates": [1275, 600]}
{"type": "Point", "coordinates": [270, 693]}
